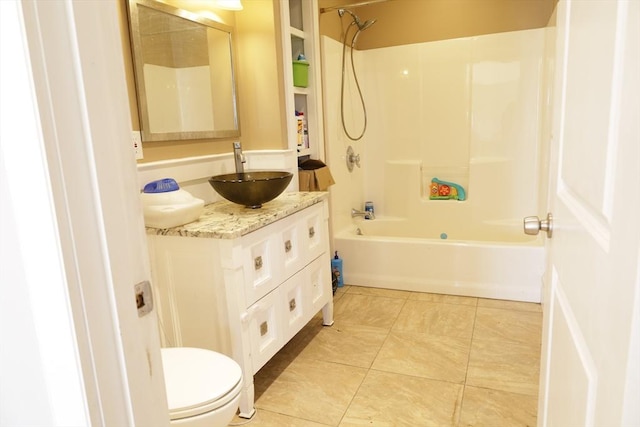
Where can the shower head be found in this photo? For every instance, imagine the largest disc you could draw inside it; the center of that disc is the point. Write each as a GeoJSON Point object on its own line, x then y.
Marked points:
{"type": "Point", "coordinates": [361, 25]}
{"type": "Point", "coordinates": [367, 24]}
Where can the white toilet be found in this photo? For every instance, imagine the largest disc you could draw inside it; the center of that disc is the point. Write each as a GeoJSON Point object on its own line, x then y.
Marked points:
{"type": "Point", "coordinates": [203, 387]}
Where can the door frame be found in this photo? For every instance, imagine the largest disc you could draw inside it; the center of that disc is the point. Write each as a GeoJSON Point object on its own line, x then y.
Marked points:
{"type": "Point", "coordinates": [65, 143]}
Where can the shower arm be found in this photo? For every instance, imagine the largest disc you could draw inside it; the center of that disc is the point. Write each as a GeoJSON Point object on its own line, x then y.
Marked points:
{"type": "Point", "coordinates": [355, 18]}
{"type": "Point", "coordinates": [352, 5]}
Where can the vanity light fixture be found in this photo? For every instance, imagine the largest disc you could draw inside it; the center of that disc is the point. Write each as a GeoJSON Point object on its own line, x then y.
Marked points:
{"type": "Point", "coordinates": [228, 4]}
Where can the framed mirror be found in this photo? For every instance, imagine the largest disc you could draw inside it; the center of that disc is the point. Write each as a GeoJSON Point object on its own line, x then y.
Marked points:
{"type": "Point", "coordinates": [185, 74]}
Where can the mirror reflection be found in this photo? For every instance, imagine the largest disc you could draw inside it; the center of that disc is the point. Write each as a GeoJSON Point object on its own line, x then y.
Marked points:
{"type": "Point", "coordinates": [184, 73]}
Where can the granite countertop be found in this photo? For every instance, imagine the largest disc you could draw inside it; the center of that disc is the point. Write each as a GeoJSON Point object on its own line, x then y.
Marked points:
{"type": "Point", "coordinates": [228, 220]}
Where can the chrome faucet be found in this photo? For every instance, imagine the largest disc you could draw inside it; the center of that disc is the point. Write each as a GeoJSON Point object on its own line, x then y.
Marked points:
{"type": "Point", "coordinates": [364, 214]}
{"type": "Point", "coordinates": [238, 157]}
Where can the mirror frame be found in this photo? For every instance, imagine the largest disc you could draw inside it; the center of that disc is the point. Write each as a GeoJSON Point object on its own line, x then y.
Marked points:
{"type": "Point", "coordinates": [138, 64]}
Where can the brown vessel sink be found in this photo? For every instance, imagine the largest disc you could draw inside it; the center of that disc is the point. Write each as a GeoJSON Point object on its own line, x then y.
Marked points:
{"type": "Point", "coordinates": [251, 189]}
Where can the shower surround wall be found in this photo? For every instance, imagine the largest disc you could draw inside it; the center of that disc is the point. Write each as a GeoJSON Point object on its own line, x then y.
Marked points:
{"type": "Point", "coordinates": [471, 111]}
{"type": "Point", "coordinates": [465, 110]}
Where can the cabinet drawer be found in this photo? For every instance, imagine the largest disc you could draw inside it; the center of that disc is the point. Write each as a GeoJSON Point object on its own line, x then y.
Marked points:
{"type": "Point", "coordinates": [265, 330]}
{"type": "Point", "coordinates": [276, 252]}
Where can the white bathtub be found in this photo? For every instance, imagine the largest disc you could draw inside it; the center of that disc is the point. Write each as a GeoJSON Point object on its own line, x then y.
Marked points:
{"type": "Point", "coordinates": [482, 262]}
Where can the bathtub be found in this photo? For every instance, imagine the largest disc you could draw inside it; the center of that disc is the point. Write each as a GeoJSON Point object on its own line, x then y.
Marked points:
{"type": "Point", "coordinates": [496, 260]}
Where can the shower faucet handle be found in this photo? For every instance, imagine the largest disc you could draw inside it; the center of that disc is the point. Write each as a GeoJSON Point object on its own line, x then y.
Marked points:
{"type": "Point", "coordinates": [352, 159]}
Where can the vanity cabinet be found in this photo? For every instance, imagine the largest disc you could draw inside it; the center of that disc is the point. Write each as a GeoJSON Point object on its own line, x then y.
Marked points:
{"type": "Point", "coordinates": [239, 292]}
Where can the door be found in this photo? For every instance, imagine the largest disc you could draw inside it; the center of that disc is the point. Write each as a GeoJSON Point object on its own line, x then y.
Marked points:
{"type": "Point", "coordinates": [590, 352]}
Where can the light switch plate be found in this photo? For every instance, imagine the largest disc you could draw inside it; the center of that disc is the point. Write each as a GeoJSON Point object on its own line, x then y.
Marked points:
{"type": "Point", "coordinates": [136, 140]}
{"type": "Point", "coordinates": [144, 298]}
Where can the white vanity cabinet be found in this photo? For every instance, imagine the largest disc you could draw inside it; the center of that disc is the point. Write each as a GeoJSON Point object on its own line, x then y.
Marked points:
{"type": "Point", "coordinates": [244, 294]}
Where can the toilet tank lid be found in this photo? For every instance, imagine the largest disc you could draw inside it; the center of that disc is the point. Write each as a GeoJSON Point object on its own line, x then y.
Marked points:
{"type": "Point", "coordinates": [197, 378]}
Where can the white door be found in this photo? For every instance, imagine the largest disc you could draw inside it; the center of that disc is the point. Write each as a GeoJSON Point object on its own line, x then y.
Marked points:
{"type": "Point", "coordinates": [590, 351]}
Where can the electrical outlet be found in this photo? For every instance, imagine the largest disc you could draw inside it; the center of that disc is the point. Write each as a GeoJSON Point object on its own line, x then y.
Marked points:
{"type": "Point", "coordinates": [136, 140]}
{"type": "Point", "coordinates": [144, 298]}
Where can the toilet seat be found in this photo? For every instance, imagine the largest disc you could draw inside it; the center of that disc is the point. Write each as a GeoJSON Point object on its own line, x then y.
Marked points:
{"type": "Point", "coordinates": [198, 380]}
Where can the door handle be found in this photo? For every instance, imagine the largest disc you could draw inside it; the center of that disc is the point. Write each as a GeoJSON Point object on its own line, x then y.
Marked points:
{"type": "Point", "coordinates": [533, 225]}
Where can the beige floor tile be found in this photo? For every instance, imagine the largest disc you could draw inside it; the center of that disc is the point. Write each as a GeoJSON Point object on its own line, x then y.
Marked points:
{"type": "Point", "coordinates": [379, 292]}
{"type": "Point", "coordinates": [429, 356]}
{"type": "Point", "coordinates": [396, 358]}
{"type": "Point", "coordinates": [486, 407]}
{"type": "Point", "coordinates": [340, 292]}
{"type": "Point", "coordinates": [505, 366]}
{"type": "Point", "coordinates": [510, 305]}
{"type": "Point", "coordinates": [343, 343]}
{"type": "Point", "coordinates": [508, 325]}
{"type": "Point", "coordinates": [436, 319]}
{"type": "Point", "coordinates": [309, 389]}
{"type": "Point", "coordinates": [387, 399]}
{"type": "Point", "coordinates": [367, 310]}
{"type": "Point", "coordinates": [264, 418]}
{"type": "Point", "coordinates": [447, 299]}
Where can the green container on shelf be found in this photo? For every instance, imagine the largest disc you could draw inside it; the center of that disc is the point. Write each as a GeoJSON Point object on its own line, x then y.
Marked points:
{"type": "Point", "coordinates": [300, 73]}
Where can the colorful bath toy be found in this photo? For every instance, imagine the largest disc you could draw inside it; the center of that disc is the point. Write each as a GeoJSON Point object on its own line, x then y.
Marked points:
{"type": "Point", "coordinates": [444, 190]}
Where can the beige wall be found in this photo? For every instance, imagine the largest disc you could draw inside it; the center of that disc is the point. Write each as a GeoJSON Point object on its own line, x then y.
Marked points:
{"type": "Point", "coordinates": [260, 94]}
{"type": "Point", "coordinates": [262, 108]}
{"type": "Point", "coordinates": [259, 65]}
{"type": "Point", "coordinates": [401, 22]}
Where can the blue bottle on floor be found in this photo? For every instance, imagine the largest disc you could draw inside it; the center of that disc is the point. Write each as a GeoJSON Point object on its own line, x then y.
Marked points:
{"type": "Point", "coordinates": [336, 269]}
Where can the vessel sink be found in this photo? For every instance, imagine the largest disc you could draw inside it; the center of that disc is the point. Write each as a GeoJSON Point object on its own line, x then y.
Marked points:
{"type": "Point", "coordinates": [251, 189]}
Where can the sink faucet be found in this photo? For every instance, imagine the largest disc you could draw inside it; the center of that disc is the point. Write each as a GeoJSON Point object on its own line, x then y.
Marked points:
{"type": "Point", "coordinates": [238, 157]}
{"type": "Point", "coordinates": [364, 214]}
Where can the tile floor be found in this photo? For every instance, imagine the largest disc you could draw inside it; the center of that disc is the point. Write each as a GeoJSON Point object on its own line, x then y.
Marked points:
{"type": "Point", "coordinates": [396, 358]}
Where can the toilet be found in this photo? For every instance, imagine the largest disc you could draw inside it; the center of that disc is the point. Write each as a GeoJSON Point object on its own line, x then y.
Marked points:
{"type": "Point", "coordinates": [203, 387]}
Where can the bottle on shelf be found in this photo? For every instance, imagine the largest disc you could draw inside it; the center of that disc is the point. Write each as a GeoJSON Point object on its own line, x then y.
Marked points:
{"type": "Point", "coordinates": [305, 133]}
{"type": "Point", "coordinates": [302, 131]}
{"type": "Point", "coordinates": [301, 126]}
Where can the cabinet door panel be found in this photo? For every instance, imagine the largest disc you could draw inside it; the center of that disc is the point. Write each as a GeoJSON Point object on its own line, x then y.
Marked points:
{"type": "Point", "coordinates": [319, 282]}
{"type": "Point", "coordinates": [261, 265]}
{"type": "Point", "coordinates": [293, 252]}
{"type": "Point", "coordinates": [296, 303]}
{"type": "Point", "coordinates": [313, 232]}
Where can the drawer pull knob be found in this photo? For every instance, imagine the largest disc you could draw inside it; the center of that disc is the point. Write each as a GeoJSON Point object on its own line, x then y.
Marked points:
{"type": "Point", "coordinates": [312, 232]}
{"type": "Point", "coordinates": [257, 263]}
{"type": "Point", "coordinates": [288, 246]}
{"type": "Point", "coordinates": [264, 328]}
{"type": "Point", "coordinates": [292, 304]}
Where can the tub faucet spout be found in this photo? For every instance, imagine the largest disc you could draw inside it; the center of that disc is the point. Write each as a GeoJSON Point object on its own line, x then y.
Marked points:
{"type": "Point", "coordinates": [364, 214]}
{"type": "Point", "coordinates": [238, 157]}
